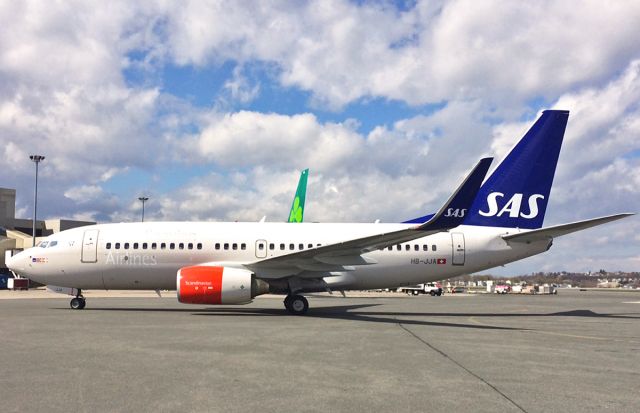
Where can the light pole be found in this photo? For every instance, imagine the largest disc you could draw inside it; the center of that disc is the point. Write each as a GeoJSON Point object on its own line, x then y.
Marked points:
{"type": "Point", "coordinates": [143, 199]}
{"type": "Point", "coordinates": [37, 159]}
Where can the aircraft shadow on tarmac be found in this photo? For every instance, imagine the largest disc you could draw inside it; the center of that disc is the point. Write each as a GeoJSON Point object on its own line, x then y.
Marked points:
{"type": "Point", "coordinates": [349, 313]}
{"type": "Point", "coordinates": [358, 313]}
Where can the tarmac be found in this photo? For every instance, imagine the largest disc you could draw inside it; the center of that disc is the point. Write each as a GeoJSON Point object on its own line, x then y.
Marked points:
{"type": "Point", "coordinates": [574, 352]}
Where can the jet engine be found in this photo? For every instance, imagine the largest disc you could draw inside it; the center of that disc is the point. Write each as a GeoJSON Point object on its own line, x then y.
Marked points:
{"type": "Point", "coordinates": [208, 284]}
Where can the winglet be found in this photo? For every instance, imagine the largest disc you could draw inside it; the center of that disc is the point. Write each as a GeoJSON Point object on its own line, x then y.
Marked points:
{"type": "Point", "coordinates": [455, 209]}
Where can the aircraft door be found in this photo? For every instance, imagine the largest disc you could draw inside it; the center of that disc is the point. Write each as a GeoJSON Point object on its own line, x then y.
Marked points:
{"type": "Point", "coordinates": [457, 244]}
{"type": "Point", "coordinates": [261, 248]}
{"type": "Point", "coordinates": [90, 246]}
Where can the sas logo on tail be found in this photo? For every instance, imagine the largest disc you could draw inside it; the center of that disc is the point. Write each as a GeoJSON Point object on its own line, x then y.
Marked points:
{"type": "Point", "coordinates": [455, 212]}
{"type": "Point", "coordinates": [513, 206]}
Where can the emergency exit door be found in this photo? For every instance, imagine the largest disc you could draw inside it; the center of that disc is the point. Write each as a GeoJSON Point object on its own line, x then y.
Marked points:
{"type": "Point", "coordinates": [90, 246]}
{"type": "Point", "coordinates": [261, 248]}
{"type": "Point", "coordinates": [457, 243]}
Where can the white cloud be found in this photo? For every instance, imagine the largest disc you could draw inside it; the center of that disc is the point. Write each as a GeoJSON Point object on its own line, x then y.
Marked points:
{"type": "Point", "coordinates": [63, 93]}
{"type": "Point", "coordinates": [240, 88]}
{"type": "Point", "coordinates": [503, 52]}
{"type": "Point", "coordinates": [84, 193]}
{"type": "Point", "coordinates": [245, 139]}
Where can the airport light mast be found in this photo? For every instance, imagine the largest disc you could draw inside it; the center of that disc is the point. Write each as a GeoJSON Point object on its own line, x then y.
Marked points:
{"type": "Point", "coordinates": [143, 199]}
{"type": "Point", "coordinates": [36, 159]}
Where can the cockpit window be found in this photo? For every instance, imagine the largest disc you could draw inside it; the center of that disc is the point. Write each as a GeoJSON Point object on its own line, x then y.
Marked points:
{"type": "Point", "coordinates": [43, 244]}
{"type": "Point", "coordinates": [52, 244]}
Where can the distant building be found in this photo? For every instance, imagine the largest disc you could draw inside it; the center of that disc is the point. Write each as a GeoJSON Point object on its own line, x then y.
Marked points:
{"type": "Point", "coordinates": [16, 233]}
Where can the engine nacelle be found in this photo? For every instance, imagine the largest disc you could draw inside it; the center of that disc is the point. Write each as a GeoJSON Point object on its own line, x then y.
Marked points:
{"type": "Point", "coordinates": [208, 284]}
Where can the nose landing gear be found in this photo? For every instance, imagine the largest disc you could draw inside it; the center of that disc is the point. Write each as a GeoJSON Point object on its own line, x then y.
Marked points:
{"type": "Point", "coordinates": [78, 302]}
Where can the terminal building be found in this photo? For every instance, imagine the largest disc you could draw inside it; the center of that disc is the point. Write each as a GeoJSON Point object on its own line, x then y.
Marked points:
{"type": "Point", "coordinates": [16, 234]}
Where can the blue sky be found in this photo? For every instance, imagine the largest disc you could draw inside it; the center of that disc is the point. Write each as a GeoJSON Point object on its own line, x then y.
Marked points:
{"type": "Point", "coordinates": [212, 109]}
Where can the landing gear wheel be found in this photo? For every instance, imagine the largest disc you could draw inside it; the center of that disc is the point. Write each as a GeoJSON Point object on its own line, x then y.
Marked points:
{"type": "Point", "coordinates": [287, 303]}
{"type": "Point", "coordinates": [298, 305]}
{"type": "Point", "coordinates": [78, 303]}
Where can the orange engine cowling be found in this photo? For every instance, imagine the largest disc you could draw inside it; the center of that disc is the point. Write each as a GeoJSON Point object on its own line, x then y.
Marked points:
{"type": "Point", "coordinates": [208, 284]}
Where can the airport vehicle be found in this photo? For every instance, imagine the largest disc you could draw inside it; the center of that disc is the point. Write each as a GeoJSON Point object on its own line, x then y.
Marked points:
{"type": "Point", "coordinates": [502, 289]}
{"type": "Point", "coordinates": [481, 226]}
{"type": "Point", "coordinates": [432, 289]}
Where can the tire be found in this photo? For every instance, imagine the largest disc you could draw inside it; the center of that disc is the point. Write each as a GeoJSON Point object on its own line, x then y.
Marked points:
{"type": "Point", "coordinates": [77, 303]}
{"type": "Point", "coordinates": [415, 292]}
{"type": "Point", "coordinates": [432, 293]}
{"type": "Point", "coordinates": [298, 305]}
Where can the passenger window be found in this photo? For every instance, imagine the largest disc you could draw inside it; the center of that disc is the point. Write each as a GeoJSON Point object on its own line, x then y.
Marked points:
{"type": "Point", "coordinates": [190, 245]}
{"type": "Point", "coordinates": [243, 246]}
{"type": "Point", "coordinates": [300, 247]}
{"type": "Point", "coordinates": [144, 245]}
{"type": "Point", "coordinates": [172, 246]}
{"type": "Point", "coordinates": [199, 246]}
{"type": "Point", "coordinates": [398, 247]}
{"type": "Point", "coordinates": [52, 244]}
{"type": "Point", "coordinates": [407, 247]}
{"type": "Point", "coordinates": [234, 246]}
{"type": "Point", "coordinates": [135, 245]}
{"type": "Point", "coordinates": [390, 248]}
{"type": "Point", "coordinates": [163, 246]}
{"type": "Point", "coordinates": [117, 245]}
{"type": "Point", "coordinates": [217, 245]}
{"type": "Point", "coordinates": [309, 246]}
{"type": "Point", "coordinates": [154, 246]}
{"type": "Point", "coordinates": [260, 247]}
{"type": "Point", "coordinates": [108, 246]}
{"type": "Point", "coordinates": [272, 247]}
{"type": "Point", "coordinates": [181, 245]}
{"type": "Point", "coordinates": [292, 247]}
{"type": "Point", "coordinates": [416, 247]}
{"type": "Point", "coordinates": [281, 247]}
{"type": "Point", "coordinates": [126, 245]}
{"type": "Point", "coordinates": [226, 246]}
{"type": "Point", "coordinates": [433, 247]}
{"type": "Point", "coordinates": [425, 247]}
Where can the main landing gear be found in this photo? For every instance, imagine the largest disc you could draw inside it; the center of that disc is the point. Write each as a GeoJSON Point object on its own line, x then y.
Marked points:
{"type": "Point", "coordinates": [78, 302]}
{"type": "Point", "coordinates": [296, 304]}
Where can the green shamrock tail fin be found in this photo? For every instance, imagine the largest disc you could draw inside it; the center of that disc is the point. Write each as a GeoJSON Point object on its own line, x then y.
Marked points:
{"type": "Point", "coordinates": [297, 208]}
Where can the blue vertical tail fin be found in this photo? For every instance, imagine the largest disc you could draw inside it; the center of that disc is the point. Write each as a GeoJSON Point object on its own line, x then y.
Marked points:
{"type": "Point", "coordinates": [517, 192]}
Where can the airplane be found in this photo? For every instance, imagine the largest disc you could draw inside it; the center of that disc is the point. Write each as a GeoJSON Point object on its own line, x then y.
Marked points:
{"type": "Point", "coordinates": [481, 226]}
{"type": "Point", "coordinates": [296, 214]}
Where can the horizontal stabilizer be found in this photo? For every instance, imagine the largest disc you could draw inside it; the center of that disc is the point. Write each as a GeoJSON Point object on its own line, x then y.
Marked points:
{"type": "Point", "coordinates": [559, 230]}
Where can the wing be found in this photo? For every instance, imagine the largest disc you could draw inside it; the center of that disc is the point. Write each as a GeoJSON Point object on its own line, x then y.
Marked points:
{"type": "Point", "coordinates": [559, 230]}
{"type": "Point", "coordinates": [338, 256]}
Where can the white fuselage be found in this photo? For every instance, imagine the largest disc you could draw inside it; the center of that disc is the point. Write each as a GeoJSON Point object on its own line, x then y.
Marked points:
{"type": "Point", "coordinates": [148, 255]}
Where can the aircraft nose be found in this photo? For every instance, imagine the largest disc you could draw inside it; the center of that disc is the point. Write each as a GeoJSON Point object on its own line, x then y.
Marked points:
{"type": "Point", "coordinates": [17, 263]}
